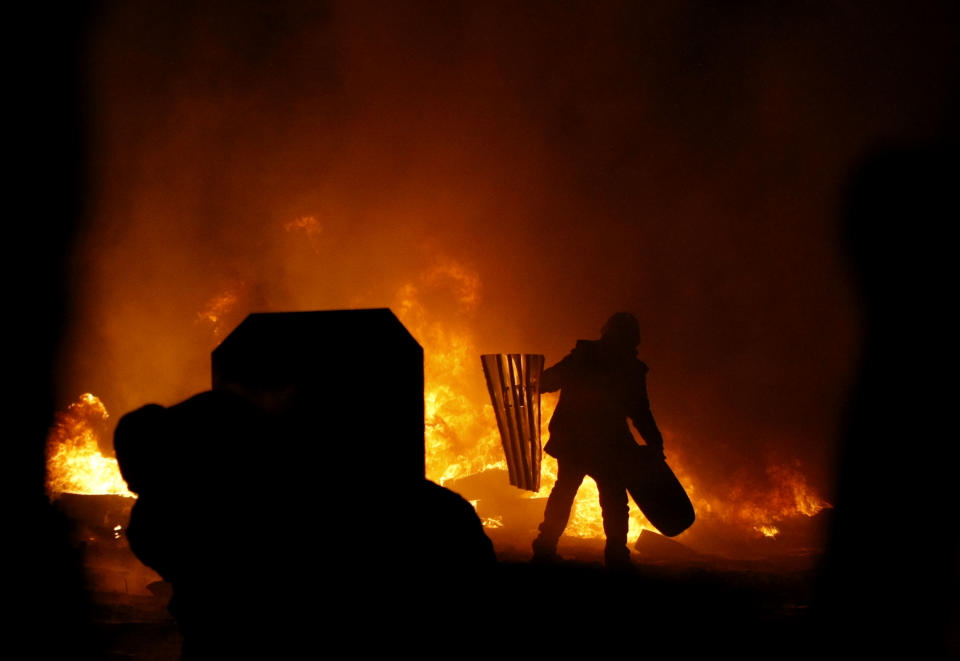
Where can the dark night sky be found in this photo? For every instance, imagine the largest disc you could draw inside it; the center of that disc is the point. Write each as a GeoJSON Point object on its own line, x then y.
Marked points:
{"type": "Point", "coordinates": [681, 160]}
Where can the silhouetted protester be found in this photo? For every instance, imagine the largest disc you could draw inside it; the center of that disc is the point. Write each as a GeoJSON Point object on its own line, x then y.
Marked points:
{"type": "Point", "coordinates": [202, 519]}
{"type": "Point", "coordinates": [602, 383]}
{"type": "Point", "coordinates": [243, 546]}
{"type": "Point", "coordinates": [452, 541]}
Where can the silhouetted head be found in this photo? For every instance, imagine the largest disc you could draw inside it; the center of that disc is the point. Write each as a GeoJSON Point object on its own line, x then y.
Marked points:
{"type": "Point", "coordinates": [621, 330]}
{"type": "Point", "coordinates": [136, 441]}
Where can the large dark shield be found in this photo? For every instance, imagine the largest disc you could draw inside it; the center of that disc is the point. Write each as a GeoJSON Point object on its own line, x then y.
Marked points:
{"type": "Point", "coordinates": [656, 490]}
{"type": "Point", "coordinates": [514, 383]}
{"type": "Point", "coordinates": [348, 386]}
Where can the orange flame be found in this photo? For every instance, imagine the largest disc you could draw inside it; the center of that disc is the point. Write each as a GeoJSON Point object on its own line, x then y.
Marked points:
{"type": "Point", "coordinates": [461, 436]}
{"type": "Point", "coordinates": [786, 495]}
{"type": "Point", "coordinates": [218, 307]}
{"type": "Point", "coordinates": [460, 432]}
{"type": "Point", "coordinates": [458, 440]}
{"type": "Point", "coordinates": [74, 461]}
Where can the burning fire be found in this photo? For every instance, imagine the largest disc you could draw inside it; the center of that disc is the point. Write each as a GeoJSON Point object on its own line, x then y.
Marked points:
{"type": "Point", "coordinates": [218, 307]}
{"type": "Point", "coordinates": [74, 461]}
{"type": "Point", "coordinates": [308, 226]}
{"type": "Point", "coordinates": [461, 435]}
{"type": "Point", "coordinates": [461, 432]}
{"type": "Point", "coordinates": [784, 495]}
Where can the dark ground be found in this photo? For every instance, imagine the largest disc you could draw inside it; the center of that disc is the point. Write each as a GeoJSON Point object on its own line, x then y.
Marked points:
{"type": "Point", "coordinates": [677, 605]}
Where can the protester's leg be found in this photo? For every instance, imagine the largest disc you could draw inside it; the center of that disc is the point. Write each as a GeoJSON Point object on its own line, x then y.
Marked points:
{"type": "Point", "coordinates": [557, 511]}
{"type": "Point", "coordinates": [616, 520]}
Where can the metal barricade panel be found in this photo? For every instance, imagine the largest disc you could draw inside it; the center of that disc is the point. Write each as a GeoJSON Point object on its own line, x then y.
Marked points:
{"type": "Point", "coordinates": [513, 381]}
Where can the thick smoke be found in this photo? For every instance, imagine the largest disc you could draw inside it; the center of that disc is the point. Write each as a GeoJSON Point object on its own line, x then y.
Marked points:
{"type": "Point", "coordinates": [680, 160]}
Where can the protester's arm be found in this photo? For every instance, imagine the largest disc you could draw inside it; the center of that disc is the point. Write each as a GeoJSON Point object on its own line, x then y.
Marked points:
{"type": "Point", "coordinates": [641, 414]}
{"type": "Point", "coordinates": [554, 377]}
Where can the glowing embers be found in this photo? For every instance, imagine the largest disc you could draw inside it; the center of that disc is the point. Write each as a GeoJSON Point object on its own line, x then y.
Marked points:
{"type": "Point", "coordinates": [74, 461]}
{"type": "Point", "coordinates": [218, 309]}
{"type": "Point", "coordinates": [764, 507]}
{"type": "Point", "coordinates": [514, 384]}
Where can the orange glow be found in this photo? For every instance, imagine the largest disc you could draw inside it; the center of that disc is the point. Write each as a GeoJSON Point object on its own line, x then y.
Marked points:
{"type": "Point", "coordinates": [461, 436]}
{"type": "Point", "coordinates": [786, 495]}
{"type": "Point", "coordinates": [461, 431]}
{"type": "Point", "coordinates": [74, 461]}
{"type": "Point", "coordinates": [219, 307]}
{"type": "Point", "coordinates": [492, 521]}
{"type": "Point", "coordinates": [459, 441]}
{"type": "Point", "coordinates": [498, 195]}
{"type": "Point", "coordinates": [462, 439]}
{"type": "Point", "coordinates": [306, 224]}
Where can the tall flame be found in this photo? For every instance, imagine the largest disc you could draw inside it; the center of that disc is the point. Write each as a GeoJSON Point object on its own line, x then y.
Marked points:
{"type": "Point", "coordinates": [74, 461]}
{"type": "Point", "coordinates": [461, 435]}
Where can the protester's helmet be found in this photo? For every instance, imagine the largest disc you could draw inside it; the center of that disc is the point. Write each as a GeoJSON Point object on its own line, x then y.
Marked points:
{"type": "Point", "coordinates": [622, 329]}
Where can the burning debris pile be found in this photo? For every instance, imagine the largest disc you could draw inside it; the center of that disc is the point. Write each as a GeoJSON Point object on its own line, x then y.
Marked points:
{"type": "Point", "coordinates": [85, 484]}
{"type": "Point", "coordinates": [462, 445]}
{"type": "Point", "coordinates": [75, 462]}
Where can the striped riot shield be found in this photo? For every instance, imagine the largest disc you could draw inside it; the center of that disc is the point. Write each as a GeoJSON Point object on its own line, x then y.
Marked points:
{"type": "Point", "coordinates": [514, 383]}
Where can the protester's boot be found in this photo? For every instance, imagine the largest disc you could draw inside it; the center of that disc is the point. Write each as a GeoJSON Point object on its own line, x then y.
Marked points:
{"type": "Point", "coordinates": [617, 556]}
{"type": "Point", "coordinates": [544, 550]}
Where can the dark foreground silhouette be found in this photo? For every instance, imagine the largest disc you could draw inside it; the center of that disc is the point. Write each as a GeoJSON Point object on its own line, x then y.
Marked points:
{"type": "Point", "coordinates": [288, 506]}
{"type": "Point", "coordinates": [889, 584]}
